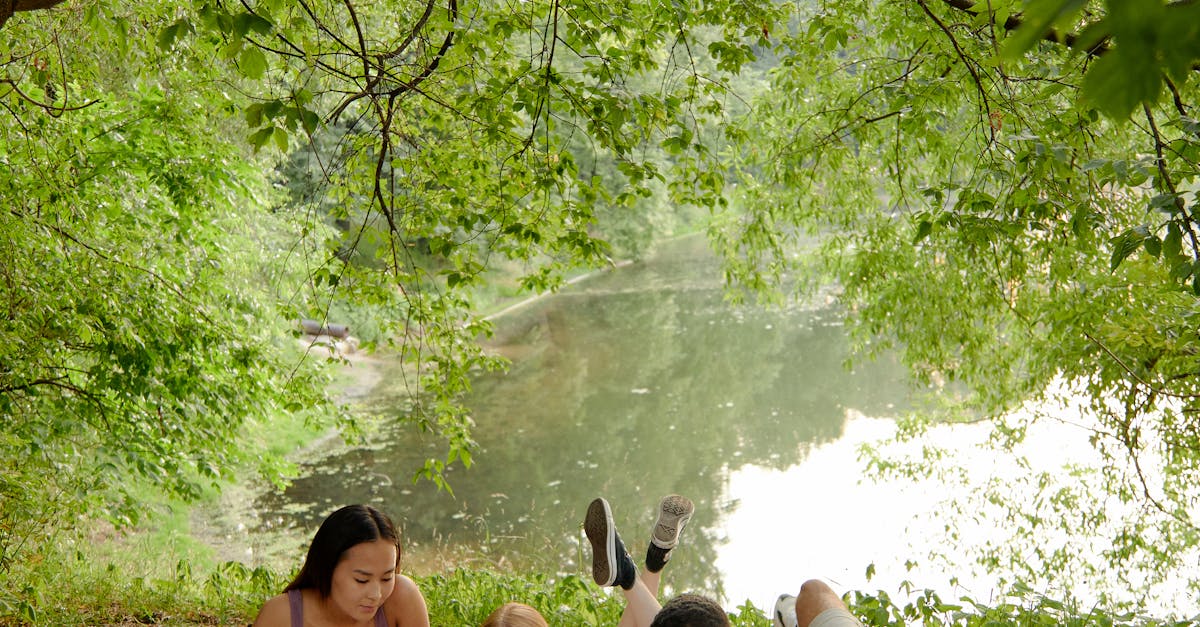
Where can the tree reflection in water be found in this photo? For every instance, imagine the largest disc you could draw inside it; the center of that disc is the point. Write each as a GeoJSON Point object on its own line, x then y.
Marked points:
{"type": "Point", "coordinates": [635, 383]}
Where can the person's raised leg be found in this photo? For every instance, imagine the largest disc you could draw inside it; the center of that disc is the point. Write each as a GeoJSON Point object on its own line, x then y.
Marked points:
{"type": "Point", "coordinates": [613, 567]}
{"type": "Point", "coordinates": [640, 606]}
{"type": "Point", "coordinates": [816, 598]}
{"type": "Point", "coordinates": [650, 580]}
{"type": "Point", "coordinates": [674, 512]}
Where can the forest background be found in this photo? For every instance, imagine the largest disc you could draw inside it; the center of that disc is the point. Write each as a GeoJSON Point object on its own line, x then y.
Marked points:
{"type": "Point", "coordinates": [1005, 193]}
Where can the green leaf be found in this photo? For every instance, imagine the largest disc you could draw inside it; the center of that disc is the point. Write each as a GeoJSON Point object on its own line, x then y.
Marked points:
{"type": "Point", "coordinates": [923, 231]}
{"type": "Point", "coordinates": [1120, 81]}
{"type": "Point", "coordinates": [168, 35]}
{"type": "Point", "coordinates": [1126, 244]}
{"type": "Point", "coordinates": [1153, 245]}
{"type": "Point", "coordinates": [260, 137]}
{"type": "Point", "coordinates": [1092, 35]}
{"type": "Point", "coordinates": [309, 120]}
{"type": "Point", "coordinates": [675, 145]}
{"type": "Point", "coordinates": [253, 63]}
{"type": "Point", "coordinates": [281, 139]}
{"type": "Point", "coordinates": [1173, 242]}
{"type": "Point", "coordinates": [254, 115]}
{"type": "Point", "coordinates": [246, 23]}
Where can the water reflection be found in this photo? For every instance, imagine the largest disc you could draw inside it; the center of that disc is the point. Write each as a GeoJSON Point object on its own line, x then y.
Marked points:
{"type": "Point", "coordinates": [632, 384]}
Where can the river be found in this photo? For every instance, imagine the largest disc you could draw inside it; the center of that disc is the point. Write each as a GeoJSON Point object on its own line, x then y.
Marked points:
{"type": "Point", "coordinates": [632, 384]}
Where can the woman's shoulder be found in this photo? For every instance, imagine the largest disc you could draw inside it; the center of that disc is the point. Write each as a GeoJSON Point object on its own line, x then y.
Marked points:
{"type": "Point", "coordinates": [405, 607]}
{"type": "Point", "coordinates": [275, 612]}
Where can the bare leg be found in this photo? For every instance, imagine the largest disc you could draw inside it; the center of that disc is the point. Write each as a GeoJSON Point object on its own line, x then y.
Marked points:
{"type": "Point", "coordinates": [651, 580]}
{"type": "Point", "coordinates": [815, 597]}
{"type": "Point", "coordinates": [640, 604]}
{"type": "Point", "coordinates": [637, 617]}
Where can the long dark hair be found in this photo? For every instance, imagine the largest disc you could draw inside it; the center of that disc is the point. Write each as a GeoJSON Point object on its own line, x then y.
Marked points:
{"type": "Point", "coordinates": [348, 526]}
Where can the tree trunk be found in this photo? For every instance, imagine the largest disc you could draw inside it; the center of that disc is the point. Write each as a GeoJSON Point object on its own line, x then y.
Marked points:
{"type": "Point", "coordinates": [9, 7]}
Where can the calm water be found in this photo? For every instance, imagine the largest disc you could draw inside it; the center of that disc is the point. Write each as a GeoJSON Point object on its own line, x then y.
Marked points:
{"type": "Point", "coordinates": [643, 381]}
{"type": "Point", "coordinates": [633, 384]}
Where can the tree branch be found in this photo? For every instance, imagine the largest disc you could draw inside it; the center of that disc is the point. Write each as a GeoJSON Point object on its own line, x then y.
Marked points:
{"type": "Point", "coordinates": [52, 109]}
{"type": "Point", "coordinates": [58, 382]}
{"type": "Point", "coordinates": [1012, 22]}
{"type": "Point", "coordinates": [10, 7]}
{"type": "Point", "coordinates": [410, 85]}
{"type": "Point", "coordinates": [966, 61]}
{"type": "Point", "coordinates": [1168, 184]}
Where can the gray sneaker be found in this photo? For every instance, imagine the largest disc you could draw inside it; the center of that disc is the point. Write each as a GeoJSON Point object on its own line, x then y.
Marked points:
{"type": "Point", "coordinates": [674, 512]}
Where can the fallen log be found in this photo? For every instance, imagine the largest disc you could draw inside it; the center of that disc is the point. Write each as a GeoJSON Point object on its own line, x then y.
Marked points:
{"type": "Point", "coordinates": [315, 327]}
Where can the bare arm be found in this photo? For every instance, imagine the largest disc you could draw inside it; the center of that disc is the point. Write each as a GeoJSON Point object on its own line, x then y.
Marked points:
{"type": "Point", "coordinates": [274, 613]}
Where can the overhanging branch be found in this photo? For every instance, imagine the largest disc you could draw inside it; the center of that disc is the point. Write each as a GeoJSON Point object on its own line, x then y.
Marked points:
{"type": "Point", "coordinates": [10, 7]}
{"type": "Point", "coordinates": [1012, 22]}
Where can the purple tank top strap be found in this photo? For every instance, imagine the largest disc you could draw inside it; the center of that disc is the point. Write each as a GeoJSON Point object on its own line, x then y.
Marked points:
{"type": "Point", "coordinates": [296, 605]}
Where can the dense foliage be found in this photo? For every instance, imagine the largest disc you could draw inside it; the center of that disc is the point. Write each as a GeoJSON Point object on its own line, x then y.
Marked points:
{"type": "Point", "coordinates": [1005, 192]}
{"type": "Point", "coordinates": [138, 274]}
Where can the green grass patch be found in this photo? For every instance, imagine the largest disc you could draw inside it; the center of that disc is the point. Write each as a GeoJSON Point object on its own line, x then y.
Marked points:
{"type": "Point", "coordinates": [90, 584]}
{"type": "Point", "coordinates": [84, 584]}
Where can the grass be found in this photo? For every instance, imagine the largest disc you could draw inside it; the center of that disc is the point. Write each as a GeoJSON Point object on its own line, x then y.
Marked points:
{"type": "Point", "coordinates": [161, 577]}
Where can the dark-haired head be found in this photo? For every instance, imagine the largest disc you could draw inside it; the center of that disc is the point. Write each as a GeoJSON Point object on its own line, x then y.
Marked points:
{"type": "Point", "coordinates": [691, 610]}
{"type": "Point", "coordinates": [346, 527]}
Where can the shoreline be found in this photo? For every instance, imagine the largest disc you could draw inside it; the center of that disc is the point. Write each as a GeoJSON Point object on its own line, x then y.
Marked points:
{"type": "Point", "coordinates": [230, 527]}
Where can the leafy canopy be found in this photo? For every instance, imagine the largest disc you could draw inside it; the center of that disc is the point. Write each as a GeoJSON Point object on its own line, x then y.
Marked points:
{"type": "Point", "coordinates": [1005, 191]}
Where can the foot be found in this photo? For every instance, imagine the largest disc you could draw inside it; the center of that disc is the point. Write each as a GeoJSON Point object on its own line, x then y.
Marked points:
{"type": "Point", "coordinates": [785, 611]}
{"type": "Point", "coordinates": [674, 512]}
{"type": "Point", "coordinates": [611, 564]}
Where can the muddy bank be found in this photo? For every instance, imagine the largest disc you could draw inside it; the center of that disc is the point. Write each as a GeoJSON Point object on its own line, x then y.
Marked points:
{"type": "Point", "coordinates": [230, 526]}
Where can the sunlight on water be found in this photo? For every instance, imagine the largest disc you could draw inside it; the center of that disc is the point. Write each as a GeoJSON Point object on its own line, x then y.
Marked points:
{"type": "Point", "coordinates": [823, 519]}
{"type": "Point", "coordinates": [818, 519]}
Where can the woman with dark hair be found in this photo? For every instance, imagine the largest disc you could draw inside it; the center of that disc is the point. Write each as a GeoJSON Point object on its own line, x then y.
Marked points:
{"type": "Point", "coordinates": [350, 578]}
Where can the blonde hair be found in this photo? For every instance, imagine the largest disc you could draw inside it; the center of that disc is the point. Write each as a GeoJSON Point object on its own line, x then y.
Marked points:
{"type": "Point", "coordinates": [515, 615]}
